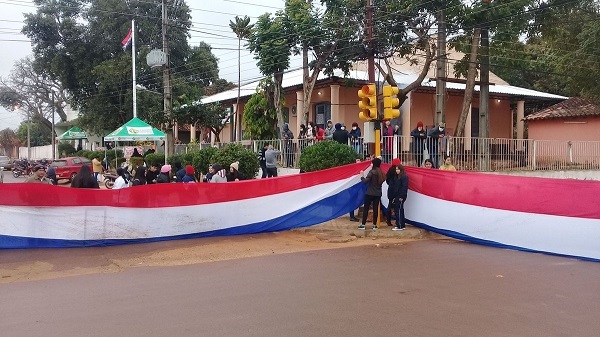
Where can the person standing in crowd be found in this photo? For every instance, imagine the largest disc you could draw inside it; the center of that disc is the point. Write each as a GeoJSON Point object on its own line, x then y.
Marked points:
{"type": "Point", "coordinates": [397, 192]}
{"type": "Point", "coordinates": [165, 175]}
{"type": "Point", "coordinates": [105, 164]}
{"type": "Point", "coordinates": [51, 175]}
{"type": "Point", "coordinates": [271, 161]}
{"type": "Point", "coordinates": [435, 136]}
{"type": "Point", "coordinates": [329, 130]}
{"type": "Point", "coordinates": [179, 172]}
{"type": "Point", "coordinates": [374, 179]}
{"type": "Point", "coordinates": [139, 178]}
{"type": "Point", "coordinates": [355, 135]}
{"type": "Point", "coordinates": [136, 153]}
{"type": "Point", "coordinates": [288, 137]}
{"type": "Point", "coordinates": [310, 133]}
{"type": "Point", "coordinates": [97, 167]}
{"type": "Point", "coordinates": [340, 135]}
{"type": "Point", "coordinates": [220, 175]}
{"type": "Point", "coordinates": [262, 160]}
{"type": "Point", "coordinates": [428, 163]}
{"type": "Point", "coordinates": [189, 174]}
{"type": "Point", "coordinates": [85, 179]}
{"type": "Point", "coordinates": [388, 140]}
{"type": "Point", "coordinates": [38, 176]}
{"type": "Point", "coordinates": [447, 166]}
{"type": "Point", "coordinates": [319, 132]}
{"type": "Point", "coordinates": [234, 173]}
{"type": "Point", "coordinates": [152, 174]}
{"type": "Point", "coordinates": [419, 135]}
{"type": "Point", "coordinates": [121, 181]}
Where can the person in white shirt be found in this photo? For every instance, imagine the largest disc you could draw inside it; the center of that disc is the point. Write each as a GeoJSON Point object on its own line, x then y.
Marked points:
{"type": "Point", "coordinates": [121, 182]}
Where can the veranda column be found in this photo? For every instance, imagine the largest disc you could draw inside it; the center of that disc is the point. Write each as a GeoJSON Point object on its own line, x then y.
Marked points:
{"type": "Point", "coordinates": [520, 123]}
{"type": "Point", "coordinates": [335, 104]}
{"type": "Point", "coordinates": [406, 124]}
{"type": "Point", "coordinates": [468, 131]}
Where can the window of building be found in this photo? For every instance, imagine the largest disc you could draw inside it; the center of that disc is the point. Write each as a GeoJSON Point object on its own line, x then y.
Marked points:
{"type": "Point", "coordinates": [322, 113]}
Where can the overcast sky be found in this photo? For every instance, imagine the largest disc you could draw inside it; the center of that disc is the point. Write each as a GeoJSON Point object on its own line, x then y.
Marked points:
{"type": "Point", "coordinates": [213, 18]}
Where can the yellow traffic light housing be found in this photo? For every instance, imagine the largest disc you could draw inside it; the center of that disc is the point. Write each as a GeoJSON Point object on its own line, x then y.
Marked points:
{"type": "Point", "coordinates": [368, 102]}
{"type": "Point", "coordinates": [390, 103]}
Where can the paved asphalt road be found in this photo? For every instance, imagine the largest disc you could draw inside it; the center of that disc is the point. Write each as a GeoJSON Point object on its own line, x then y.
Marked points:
{"type": "Point", "coordinates": [426, 288]}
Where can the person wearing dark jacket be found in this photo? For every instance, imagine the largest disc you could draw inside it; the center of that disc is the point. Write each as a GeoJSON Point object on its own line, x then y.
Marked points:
{"type": "Point", "coordinates": [152, 174]}
{"type": "Point", "coordinates": [85, 178]}
{"type": "Point", "coordinates": [397, 181]}
{"type": "Point", "coordinates": [262, 160]}
{"type": "Point", "coordinates": [435, 136]}
{"type": "Point", "coordinates": [374, 179]}
{"type": "Point", "coordinates": [234, 174]}
{"type": "Point", "coordinates": [419, 135]}
{"type": "Point", "coordinates": [165, 175]}
{"type": "Point", "coordinates": [355, 136]}
{"type": "Point", "coordinates": [179, 172]}
{"type": "Point", "coordinates": [51, 175]}
{"type": "Point", "coordinates": [139, 177]}
{"type": "Point", "coordinates": [340, 135]}
{"type": "Point", "coordinates": [189, 174]}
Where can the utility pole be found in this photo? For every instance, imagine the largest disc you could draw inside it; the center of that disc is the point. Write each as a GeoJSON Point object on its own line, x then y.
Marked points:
{"type": "Point", "coordinates": [170, 144]}
{"type": "Point", "coordinates": [52, 132]}
{"type": "Point", "coordinates": [28, 137]}
{"type": "Point", "coordinates": [440, 85]}
{"type": "Point", "coordinates": [484, 99]}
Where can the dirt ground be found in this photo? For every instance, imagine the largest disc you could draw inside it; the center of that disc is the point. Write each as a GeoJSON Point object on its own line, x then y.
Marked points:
{"type": "Point", "coordinates": [39, 264]}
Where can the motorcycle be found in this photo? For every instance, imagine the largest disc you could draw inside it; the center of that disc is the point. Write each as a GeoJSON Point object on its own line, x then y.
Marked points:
{"type": "Point", "coordinates": [109, 180]}
{"type": "Point", "coordinates": [22, 170]}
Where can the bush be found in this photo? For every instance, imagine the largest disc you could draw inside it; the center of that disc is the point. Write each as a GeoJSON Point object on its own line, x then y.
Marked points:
{"type": "Point", "coordinates": [156, 159]}
{"type": "Point", "coordinates": [248, 159]}
{"type": "Point", "coordinates": [65, 149]}
{"type": "Point", "coordinates": [324, 155]}
{"type": "Point", "coordinates": [201, 159]}
{"type": "Point", "coordinates": [134, 162]}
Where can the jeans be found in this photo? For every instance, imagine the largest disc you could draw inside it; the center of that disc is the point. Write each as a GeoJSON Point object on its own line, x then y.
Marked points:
{"type": "Point", "coordinates": [375, 201]}
{"type": "Point", "coordinates": [263, 168]}
{"type": "Point", "coordinates": [399, 210]}
{"type": "Point", "coordinates": [96, 175]}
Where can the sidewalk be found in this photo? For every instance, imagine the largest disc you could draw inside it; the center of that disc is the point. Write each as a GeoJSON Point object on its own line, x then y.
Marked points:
{"type": "Point", "coordinates": [344, 230]}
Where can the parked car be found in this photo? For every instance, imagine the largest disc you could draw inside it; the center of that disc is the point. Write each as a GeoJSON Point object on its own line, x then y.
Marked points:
{"type": "Point", "coordinates": [5, 162]}
{"type": "Point", "coordinates": [67, 168]}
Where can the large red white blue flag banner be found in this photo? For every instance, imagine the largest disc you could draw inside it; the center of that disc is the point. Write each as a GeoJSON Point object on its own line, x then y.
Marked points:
{"type": "Point", "coordinates": [127, 40]}
{"type": "Point", "coordinates": [552, 216]}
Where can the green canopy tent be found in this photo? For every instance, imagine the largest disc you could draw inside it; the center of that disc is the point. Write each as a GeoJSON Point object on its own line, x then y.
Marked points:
{"type": "Point", "coordinates": [74, 133]}
{"type": "Point", "coordinates": [135, 130]}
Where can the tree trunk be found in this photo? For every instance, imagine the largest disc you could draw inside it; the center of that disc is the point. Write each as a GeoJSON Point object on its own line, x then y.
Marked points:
{"type": "Point", "coordinates": [470, 86]}
{"type": "Point", "coordinates": [237, 123]}
{"type": "Point", "coordinates": [305, 81]}
{"type": "Point", "coordinates": [278, 79]}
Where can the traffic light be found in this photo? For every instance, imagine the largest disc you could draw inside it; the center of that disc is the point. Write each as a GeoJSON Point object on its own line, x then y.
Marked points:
{"type": "Point", "coordinates": [368, 102]}
{"type": "Point", "coordinates": [390, 103]}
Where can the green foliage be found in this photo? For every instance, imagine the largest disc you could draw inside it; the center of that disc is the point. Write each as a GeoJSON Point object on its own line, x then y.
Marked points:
{"type": "Point", "coordinates": [183, 159]}
{"type": "Point", "coordinates": [260, 116]}
{"type": "Point", "coordinates": [249, 164]}
{"type": "Point", "coordinates": [65, 149]}
{"type": "Point", "coordinates": [156, 159]}
{"type": "Point", "coordinates": [39, 135]}
{"type": "Point", "coordinates": [326, 154]}
{"type": "Point", "coordinates": [201, 159]}
{"type": "Point", "coordinates": [8, 139]}
{"type": "Point", "coordinates": [212, 116]}
{"type": "Point", "coordinates": [135, 162]}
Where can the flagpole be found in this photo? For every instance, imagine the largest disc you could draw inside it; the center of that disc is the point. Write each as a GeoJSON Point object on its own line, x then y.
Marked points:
{"type": "Point", "coordinates": [133, 67]}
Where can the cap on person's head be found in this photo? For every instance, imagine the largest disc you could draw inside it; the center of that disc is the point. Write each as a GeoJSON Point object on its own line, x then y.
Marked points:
{"type": "Point", "coordinates": [338, 125]}
{"type": "Point", "coordinates": [165, 169]}
{"type": "Point", "coordinates": [235, 165]}
{"type": "Point", "coordinates": [38, 167]}
{"type": "Point", "coordinates": [420, 124]}
{"type": "Point", "coordinates": [189, 169]}
{"type": "Point", "coordinates": [376, 162]}
{"type": "Point", "coordinates": [396, 161]}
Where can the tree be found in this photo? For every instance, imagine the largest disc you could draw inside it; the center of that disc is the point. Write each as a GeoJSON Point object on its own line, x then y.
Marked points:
{"type": "Point", "coordinates": [8, 140]}
{"type": "Point", "coordinates": [30, 88]}
{"type": "Point", "coordinates": [39, 136]}
{"type": "Point", "coordinates": [242, 29]}
{"type": "Point", "coordinates": [213, 116]}
{"type": "Point", "coordinates": [77, 42]}
{"type": "Point", "coordinates": [325, 35]}
{"type": "Point", "coordinates": [260, 116]}
{"type": "Point", "coordinates": [271, 45]}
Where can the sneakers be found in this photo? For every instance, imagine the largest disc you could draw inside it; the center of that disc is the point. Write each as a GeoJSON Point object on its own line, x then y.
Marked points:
{"type": "Point", "coordinates": [362, 227]}
{"type": "Point", "coordinates": [375, 227]}
{"type": "Point", "coordinates": [398, 228]}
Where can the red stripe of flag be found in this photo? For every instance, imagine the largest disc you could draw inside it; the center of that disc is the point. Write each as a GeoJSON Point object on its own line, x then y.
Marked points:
{"type": "Point", "coordinates": [126, 40]}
